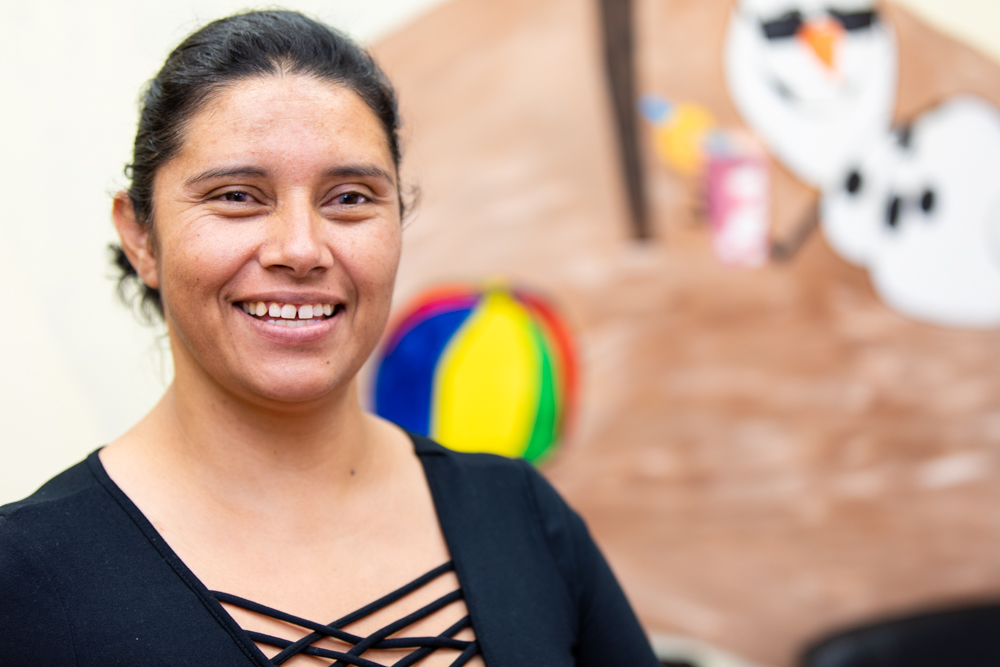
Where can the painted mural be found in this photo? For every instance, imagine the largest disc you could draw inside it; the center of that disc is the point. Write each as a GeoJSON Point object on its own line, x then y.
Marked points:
{"type": "Point", "coordinates": [787, 412]}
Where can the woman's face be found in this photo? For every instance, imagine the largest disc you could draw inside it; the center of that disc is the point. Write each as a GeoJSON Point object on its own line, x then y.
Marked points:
{"type": "Point", "coordinates": [278, 234]}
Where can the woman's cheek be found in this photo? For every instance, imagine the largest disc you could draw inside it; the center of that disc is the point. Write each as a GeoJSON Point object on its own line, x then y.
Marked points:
{"type": "Point", "coordinates": [374, 254]}
{"type": "Point", "coordinates": [208, 256]}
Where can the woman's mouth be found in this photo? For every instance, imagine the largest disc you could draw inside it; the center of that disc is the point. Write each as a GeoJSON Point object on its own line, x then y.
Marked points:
{"type": "Point", "coordinates": [290, 314]}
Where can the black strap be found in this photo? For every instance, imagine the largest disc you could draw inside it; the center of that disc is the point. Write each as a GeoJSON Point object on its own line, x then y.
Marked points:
{"type": "Point", "coordinates": [379, 639]}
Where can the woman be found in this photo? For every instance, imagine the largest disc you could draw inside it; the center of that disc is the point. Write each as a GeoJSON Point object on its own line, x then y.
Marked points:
{"type": "Point", "coordinates": [257, 502]}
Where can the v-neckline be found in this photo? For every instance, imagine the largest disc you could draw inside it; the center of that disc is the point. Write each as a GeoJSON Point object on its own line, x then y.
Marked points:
{"type": "Point", "coordinates": [204, 595]}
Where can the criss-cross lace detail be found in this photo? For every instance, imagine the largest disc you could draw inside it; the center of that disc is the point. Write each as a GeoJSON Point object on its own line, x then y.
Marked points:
{"type": "Point", "coordinates": [380, 639]}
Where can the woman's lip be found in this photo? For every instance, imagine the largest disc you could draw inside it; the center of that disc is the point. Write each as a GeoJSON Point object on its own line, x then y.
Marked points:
{"type": "Point", "coordinates": [299, 299]}
{"type": "Point", "coordinates": [288, 335]}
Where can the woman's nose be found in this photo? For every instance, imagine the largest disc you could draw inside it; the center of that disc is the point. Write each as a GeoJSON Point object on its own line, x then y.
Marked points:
{"type": "Point", "coordinates": [295, 241]}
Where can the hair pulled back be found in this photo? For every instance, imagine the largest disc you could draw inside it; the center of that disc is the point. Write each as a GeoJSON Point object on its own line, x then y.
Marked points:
{"type": "Point", "coordinates": [216, 56]}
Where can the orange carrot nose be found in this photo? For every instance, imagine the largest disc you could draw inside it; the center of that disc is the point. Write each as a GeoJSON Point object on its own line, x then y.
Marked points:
{"type": "Point", "coordinates": [822, 36]}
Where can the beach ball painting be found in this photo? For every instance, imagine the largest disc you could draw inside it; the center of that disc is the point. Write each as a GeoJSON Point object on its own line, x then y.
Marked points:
{"type": "Point", "coordinates": [487, 369]}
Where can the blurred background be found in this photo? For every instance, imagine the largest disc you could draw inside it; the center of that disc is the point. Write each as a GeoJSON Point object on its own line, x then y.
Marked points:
{"type": "Point", "coordinates": [783, 411]}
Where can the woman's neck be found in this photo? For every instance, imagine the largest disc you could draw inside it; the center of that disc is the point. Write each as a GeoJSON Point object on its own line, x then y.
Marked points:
{"type": "Point", "coordinates": [208, 440]}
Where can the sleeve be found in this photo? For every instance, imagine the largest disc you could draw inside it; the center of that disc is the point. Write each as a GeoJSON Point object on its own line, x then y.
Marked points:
{"type": "Point", "coordinates": [608, 632]}
{"type": "Point", "coordinates": [34, 629]}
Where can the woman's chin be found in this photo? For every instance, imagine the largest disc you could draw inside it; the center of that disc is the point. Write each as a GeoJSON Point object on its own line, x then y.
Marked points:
{"type": "Point", "coordinates": [292, 389]}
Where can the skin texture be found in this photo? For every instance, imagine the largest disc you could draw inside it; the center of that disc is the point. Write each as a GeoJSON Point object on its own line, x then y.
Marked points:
{"type": "Point", "coordinates": [258, 466]}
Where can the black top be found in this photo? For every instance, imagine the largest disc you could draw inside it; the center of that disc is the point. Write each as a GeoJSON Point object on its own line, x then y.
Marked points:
{"type": "Point", "coordinates": [86, 580]}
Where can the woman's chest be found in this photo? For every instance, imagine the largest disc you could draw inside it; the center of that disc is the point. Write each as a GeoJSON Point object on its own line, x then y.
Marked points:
{"type": "Point", "coordinates": [371, 589]}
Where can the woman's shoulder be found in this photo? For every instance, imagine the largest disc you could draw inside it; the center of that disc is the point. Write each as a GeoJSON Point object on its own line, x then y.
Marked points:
{"type": "Point", "coordinates": [489, 475]}
{"type": "Point", "coordinates": [485, 493]}
{"type": "Point", "coordinates": [64, 514]}
{"type": "Point", "coordinates": [56, 500]}
{"type": "Point", "coordinates": [34, 533]}
{"type": "Point", "coordinates": [69, 517]}
{"type": "Point", "coordinates": [517, 546]}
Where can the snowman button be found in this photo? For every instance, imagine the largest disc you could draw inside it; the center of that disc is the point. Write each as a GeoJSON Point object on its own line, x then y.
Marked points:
{"type": "Point", "coordinates": [927, 200]}
{"type": "Point", "coordinates": [854, 182]}
{"type": "Point", "coordinates": [892, 214]}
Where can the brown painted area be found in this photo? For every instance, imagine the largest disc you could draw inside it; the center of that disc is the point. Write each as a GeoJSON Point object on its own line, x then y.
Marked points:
{"type": "Point", "coordinates": [764, 455]}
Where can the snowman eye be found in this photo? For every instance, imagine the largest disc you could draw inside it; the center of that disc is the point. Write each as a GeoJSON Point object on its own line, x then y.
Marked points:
{"type": "Point", "coordinates": [783, 27]}
{"type": "Point", "coordinates": [855, 20]}
{"type": "Point", "coordinates": [892, 213]}
{"type": "Point", "coordinates": [854, 182]}
{"type": "Point", "coordinates": [927, 201]}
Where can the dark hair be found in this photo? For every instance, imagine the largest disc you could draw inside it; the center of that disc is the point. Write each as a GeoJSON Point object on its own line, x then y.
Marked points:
{"type": "Point", "coordinates": [216, 56]}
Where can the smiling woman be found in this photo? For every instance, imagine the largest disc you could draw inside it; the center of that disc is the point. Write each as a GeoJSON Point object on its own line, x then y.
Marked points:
{"type": "Point", "coordinates": [257, 501]}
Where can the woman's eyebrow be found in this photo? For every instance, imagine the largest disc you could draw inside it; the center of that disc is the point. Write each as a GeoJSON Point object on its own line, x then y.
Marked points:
{"type": "Point", "coordinates": [344, 171]}
{"type": "Point", "coordinates": [226, 172]}
{"type": "Point", "coordinates": [360, 171]}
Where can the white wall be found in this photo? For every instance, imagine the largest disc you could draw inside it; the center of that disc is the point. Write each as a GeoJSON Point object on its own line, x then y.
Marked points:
{"type": "Point", "coordinates": [76, 369]}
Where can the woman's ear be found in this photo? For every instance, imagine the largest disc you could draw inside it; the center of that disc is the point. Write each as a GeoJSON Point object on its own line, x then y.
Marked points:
{"type": "Point", "coordinates": [136, 240]}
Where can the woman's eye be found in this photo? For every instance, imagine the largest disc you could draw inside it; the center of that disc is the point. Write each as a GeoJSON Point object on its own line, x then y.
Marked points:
{"type": "Point", "coordinates": [238, 197]}
{"type": "Point", "coordinates": [351, 199]}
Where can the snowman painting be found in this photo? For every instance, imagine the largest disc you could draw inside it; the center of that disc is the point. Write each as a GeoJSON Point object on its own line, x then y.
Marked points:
{"type": "Point", "coordinates": [922, 212]}
{"type": "Point", "coordinates": [815, 79]}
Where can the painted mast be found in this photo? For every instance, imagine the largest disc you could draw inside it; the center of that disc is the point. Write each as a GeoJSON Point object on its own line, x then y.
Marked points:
{"type": "Point", "coordinates": [616, 22]}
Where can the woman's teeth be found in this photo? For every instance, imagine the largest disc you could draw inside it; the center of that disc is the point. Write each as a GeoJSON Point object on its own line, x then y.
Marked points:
{"type": "Point", "coordinates": [289, 315]}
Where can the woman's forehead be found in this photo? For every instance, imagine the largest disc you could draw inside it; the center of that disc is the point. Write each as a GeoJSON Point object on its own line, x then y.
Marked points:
{"type": "Point", "coordinates": [290, 121]}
